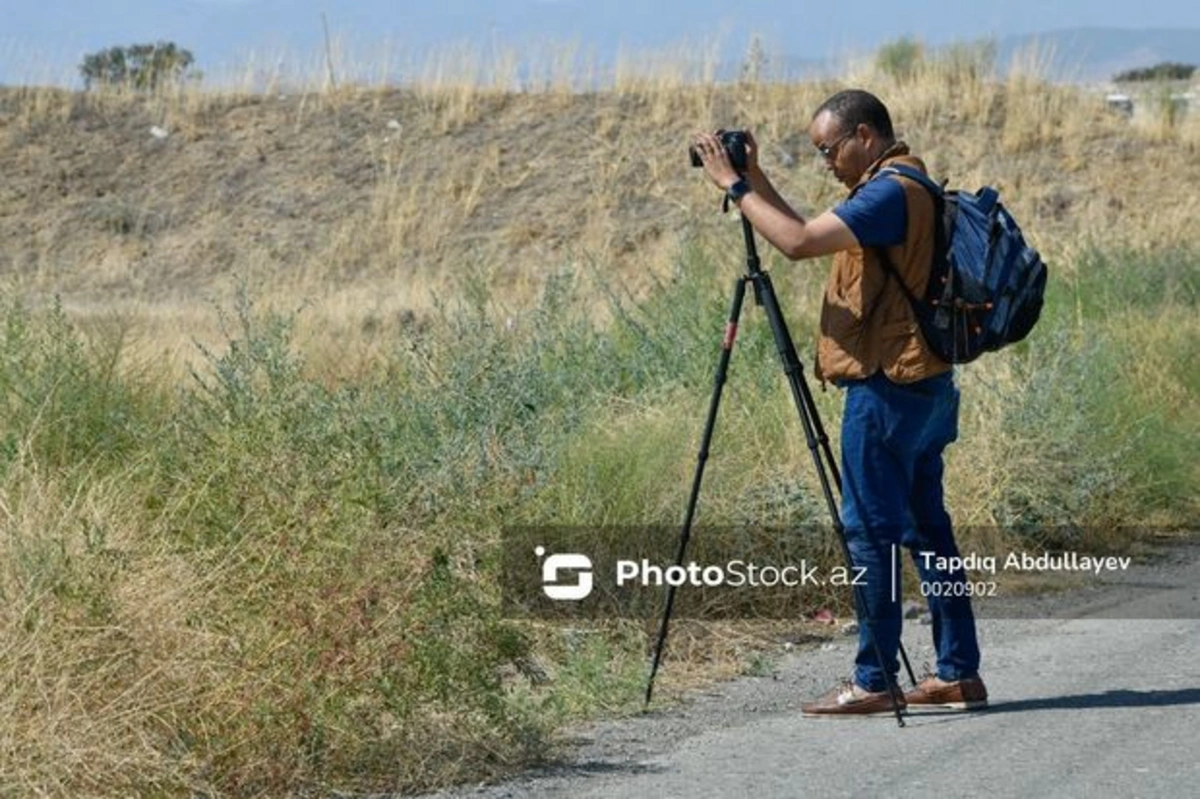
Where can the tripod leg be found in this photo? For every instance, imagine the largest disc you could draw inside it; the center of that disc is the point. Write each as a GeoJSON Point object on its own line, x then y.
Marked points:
{"type": "Point", "coordinates": [735, 311]}
{"type": "Point", "coordinates": [818, 429]}
{"type": "Point", "coordinates": [912, 678]}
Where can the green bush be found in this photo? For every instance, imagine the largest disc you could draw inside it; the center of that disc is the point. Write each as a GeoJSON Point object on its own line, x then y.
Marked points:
{"type": "Point", "coordinates": [139, 66]}
{"type": "Point", "coordinates": [65, 402]}
{"type": "Point", "coordinates": [900, 58]}
{"type": "Point", "coordinates": [1166, 70]}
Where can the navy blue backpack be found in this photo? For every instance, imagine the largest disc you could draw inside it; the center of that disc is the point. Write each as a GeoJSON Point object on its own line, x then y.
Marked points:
{"type": "Point", "coordinates": [986, 286]}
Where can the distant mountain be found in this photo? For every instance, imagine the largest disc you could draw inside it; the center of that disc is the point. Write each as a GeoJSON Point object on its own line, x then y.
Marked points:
{"type": "Point", "coordinates": [1090, 55]}
{"type": "Point", "coordinates": [1072, 55]}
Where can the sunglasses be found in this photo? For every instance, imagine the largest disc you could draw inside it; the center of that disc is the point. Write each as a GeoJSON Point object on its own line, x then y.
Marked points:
{"type": "Point", "coordinates": [829, 151]}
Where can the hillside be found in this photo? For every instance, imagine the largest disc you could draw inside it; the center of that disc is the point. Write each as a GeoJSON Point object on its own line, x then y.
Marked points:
{"type": "Point", "coordinates": [372, 199]}
{"type": "Point", "coordinates": [96, 207]}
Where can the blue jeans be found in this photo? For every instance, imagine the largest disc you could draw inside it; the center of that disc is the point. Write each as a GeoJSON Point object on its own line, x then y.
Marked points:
{"type": "Point", "coordinates": [893, 436]}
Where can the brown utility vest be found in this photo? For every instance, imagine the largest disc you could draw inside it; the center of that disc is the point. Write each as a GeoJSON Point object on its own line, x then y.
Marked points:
{"type": "Point", "coordinates": [867, 323]}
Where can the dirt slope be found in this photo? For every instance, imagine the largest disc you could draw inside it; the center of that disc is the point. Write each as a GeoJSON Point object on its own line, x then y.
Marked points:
{"type": "Point", "coordinates": [109, 199]}
{"type": "Point", "coordinates": [93, 202]}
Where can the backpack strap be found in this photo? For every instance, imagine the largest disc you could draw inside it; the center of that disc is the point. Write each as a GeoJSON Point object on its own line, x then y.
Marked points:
{"type": "Point", "coordinates": [935, 189]}
{"type": "Point", "coordinates": [938, 194]}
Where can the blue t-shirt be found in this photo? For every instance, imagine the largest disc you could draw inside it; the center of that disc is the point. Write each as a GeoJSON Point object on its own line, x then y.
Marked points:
{"type": "Point", "coordinates": [877, 214]}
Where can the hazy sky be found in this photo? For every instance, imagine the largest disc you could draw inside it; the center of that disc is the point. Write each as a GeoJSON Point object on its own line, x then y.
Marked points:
{"type": "Point", "coordinates": [44, 39]}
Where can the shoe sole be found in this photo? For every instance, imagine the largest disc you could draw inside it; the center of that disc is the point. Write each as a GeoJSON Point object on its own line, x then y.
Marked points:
{"type": "Point", "coordinates": [875, 714]}
{"type": "Point", "coordinates": [947, 707]}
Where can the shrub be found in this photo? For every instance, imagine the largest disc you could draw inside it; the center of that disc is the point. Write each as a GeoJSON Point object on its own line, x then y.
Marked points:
{"type": "Point", "coordinates": [140, 66]}
{"type": "Point", "coordinates": [900, 58]}
{"type": "Point", "coordinates": [1166, 70]}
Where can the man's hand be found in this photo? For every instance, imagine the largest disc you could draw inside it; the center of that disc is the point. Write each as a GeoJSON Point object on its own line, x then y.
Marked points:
{"type": "Point", "coordinates": [716, 161]}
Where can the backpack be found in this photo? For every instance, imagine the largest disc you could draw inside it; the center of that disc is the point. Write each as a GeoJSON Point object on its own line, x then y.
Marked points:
{"type": "Point", "coordinates": [986, 286]}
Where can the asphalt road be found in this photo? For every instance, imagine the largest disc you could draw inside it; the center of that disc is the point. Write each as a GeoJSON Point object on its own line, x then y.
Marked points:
{"type": "Point", "coordinates": [1100, 696]}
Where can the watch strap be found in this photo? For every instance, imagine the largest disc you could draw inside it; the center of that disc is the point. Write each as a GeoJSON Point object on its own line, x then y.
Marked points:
{"type": "Point", "coordinates": [738, 190]}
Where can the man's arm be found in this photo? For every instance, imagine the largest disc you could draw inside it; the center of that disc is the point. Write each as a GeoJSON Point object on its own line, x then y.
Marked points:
{"type": "Point", "coordinates": [791, 234]}
{"type": "Point", "coordinates": [762, 185]}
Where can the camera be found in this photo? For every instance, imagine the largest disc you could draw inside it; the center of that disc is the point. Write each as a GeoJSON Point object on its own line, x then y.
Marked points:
{"type": "Point", "coordinates": [734, 142]}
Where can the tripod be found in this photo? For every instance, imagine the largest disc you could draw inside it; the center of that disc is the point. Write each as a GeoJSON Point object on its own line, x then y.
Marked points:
{"type": "Point", "coordinates": [814, 434]}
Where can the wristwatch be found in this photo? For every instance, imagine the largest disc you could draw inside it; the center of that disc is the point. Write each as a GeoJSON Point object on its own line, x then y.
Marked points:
{"type": "Point", "coordinates": [738, 190]}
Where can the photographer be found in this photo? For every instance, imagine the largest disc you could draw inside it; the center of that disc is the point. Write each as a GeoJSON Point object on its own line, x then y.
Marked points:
{"type": "Point", "coordinates": [901, 404]}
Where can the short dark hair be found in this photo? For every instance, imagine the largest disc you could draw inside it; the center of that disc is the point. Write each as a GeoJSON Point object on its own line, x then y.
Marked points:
{"type": "Point", "coordinates": [854, 107]}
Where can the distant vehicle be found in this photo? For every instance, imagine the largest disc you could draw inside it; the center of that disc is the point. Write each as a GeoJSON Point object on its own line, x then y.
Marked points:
{"type": "Point", "coordinates": [1120, 102]}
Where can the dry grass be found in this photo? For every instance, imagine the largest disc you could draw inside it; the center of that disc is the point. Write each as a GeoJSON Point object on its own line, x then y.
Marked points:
{"type": "Point", "coordinates": [100, 655]}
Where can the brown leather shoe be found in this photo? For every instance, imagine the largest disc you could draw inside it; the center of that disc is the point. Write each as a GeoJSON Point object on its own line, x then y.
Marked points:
{"type": "Point", "coordinates": [848, 699]}
{"type": "Point", "coordinates": [933, 693]}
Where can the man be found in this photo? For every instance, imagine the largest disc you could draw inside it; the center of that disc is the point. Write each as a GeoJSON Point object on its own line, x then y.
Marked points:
{"type": "Point", "coordinates": [901, 404]}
